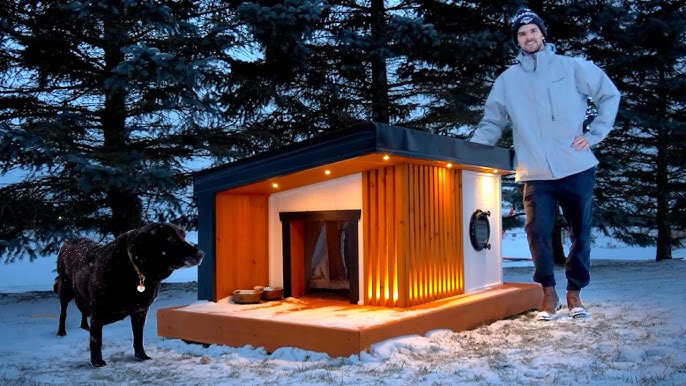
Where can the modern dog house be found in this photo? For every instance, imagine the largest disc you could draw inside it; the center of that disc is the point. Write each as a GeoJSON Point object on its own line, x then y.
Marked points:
{"type": "Point", "coordinates": [372, 232]}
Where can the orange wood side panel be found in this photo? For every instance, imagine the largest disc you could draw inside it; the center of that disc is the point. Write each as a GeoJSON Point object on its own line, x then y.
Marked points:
{"type": "Point", "coordinates": [297, 258]}
{"type": "Point", "coordinates": [242, 254]}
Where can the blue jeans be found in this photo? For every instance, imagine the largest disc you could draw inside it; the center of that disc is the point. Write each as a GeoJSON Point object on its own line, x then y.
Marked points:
{"type": "Point", "coordinates": [574, 194]}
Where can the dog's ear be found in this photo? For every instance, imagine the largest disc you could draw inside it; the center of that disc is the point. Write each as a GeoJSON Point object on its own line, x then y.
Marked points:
{"type": "Point", "coordinates": [154, 229]}
{"type": "Point", "coordinates": [157, 229]}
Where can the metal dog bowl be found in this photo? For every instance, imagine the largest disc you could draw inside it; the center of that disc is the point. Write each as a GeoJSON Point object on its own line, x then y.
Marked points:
{"type": "Point", "coordinates": [247, 296]}
{"type": "Point", "coordinates": [272, 293]}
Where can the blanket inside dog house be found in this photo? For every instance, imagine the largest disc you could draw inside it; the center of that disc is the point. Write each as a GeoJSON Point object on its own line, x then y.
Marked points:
{"type": "Point", "coordinates": [374, 215]}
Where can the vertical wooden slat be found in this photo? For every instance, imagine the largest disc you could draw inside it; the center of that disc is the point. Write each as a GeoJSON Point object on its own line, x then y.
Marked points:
{"type": "Point", "coordinates": [365, 239]}
{"type": "Point", "coordinates": [425, 236]}
{"type": "Point", "coordinates": [429, 237]}
{"type": "Point", "coordinates": [449, 235]}
{"type": "Point", "coordinates": [421, 238]}
{"type": "Point", "coordinates": [373, 236]}
{"type": "Point", "coordinates": [456, 238]}
{"type": "Point", "coordinates": [454, 204]}
{"type": "Point", "coordinates": [430, 233]}
{"type": "Point", "coordinates": [401, 215]}
{"type": "Point", "coordinates": [416, 236]}
{"type": "Point", "coordinates": [433, 251]}
{"type": "Point", "coordinates": [445, 227]}
{"type": "Point", "coordinates": [458, 213]}
{"type": "Point", "coordinates": [390, 232]}
{"type": "Point", "coordinates": [381, 236]}
{"type": "Point", "coordinates": [440, 211]}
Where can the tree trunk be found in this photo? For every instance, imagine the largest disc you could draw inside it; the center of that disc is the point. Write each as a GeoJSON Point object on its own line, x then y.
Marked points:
{"type": "Point", "coordinates": [125, 206]}
{"type": "Point", "coordinates": [663, 251]}
{"type": "Point", "coordinates": [379, 83]}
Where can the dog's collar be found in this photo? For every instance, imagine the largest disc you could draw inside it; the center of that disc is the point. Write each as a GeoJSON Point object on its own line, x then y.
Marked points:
{"type": "Point", "coordinates": [141, 277]}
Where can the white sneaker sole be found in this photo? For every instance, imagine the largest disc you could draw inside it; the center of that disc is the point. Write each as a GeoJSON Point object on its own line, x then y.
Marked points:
{"type": "Point", "coordinates": [579, 313]}
{"type": "Point", "coordinates": [545, 316]}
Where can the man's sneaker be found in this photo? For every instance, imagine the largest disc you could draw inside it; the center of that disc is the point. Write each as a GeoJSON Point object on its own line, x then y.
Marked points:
{"type": "Point", "coordinates": [549, 305]}
{"type": "Point", "coordinates": [577, 310]}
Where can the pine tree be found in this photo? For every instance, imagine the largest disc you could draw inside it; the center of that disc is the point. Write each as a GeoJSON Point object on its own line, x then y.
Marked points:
{"type": "Point", "coordinates": [271, 86]}
{"type": "Point", "coordinates": [641, 185]}
{"type": "Point", "coordinates": [100, 111]}
{"type": "Point", "coordinates": [476, 45]}
{"type": "Point", "coordinates": [324, 68]}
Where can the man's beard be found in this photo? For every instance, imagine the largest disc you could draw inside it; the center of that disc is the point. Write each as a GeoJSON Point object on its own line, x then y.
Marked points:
{"type": "Point", "coordinates": [532, 49]}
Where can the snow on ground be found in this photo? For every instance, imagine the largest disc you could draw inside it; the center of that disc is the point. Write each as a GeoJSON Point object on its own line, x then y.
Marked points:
{"type": "Point", "coordinates": [39, 274]}
{"type": "Point", "coordinates": [637, 335]}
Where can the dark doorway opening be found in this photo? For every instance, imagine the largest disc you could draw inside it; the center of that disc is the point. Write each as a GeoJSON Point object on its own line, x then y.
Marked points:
{"type": "Point", "coordinates": [320, 254]}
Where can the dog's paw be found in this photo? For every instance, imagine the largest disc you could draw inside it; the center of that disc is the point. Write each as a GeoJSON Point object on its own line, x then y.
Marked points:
{"type": "Point", "coordinates": [142, 356]}
{"type": "Point", "coordinates": [98, 363]}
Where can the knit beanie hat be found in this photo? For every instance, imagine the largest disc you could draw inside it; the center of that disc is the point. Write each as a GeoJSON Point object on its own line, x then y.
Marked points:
{"type": "Point", "coordinates": [525, 16]}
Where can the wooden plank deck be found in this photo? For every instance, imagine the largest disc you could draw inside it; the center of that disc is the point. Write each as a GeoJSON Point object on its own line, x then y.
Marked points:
{"type": "Point", "coordinates": [337, 328]}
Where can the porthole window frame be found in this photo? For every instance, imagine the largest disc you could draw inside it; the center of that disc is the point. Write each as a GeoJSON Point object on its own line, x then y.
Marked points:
{"type": "Point", "coordinates": [480, 230]}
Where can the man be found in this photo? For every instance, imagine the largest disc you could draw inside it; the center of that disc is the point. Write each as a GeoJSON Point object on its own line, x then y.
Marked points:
{"type": "Point", "coordinates": [544, 96]}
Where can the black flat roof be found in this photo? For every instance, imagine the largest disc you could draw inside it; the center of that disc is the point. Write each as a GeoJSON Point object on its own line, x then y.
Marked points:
{"type": "Point", "coordinates": [355, 141]}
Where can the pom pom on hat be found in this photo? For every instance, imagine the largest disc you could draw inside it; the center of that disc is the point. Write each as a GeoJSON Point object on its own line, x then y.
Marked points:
{"type": "Point", "coordinates": [525, 16]}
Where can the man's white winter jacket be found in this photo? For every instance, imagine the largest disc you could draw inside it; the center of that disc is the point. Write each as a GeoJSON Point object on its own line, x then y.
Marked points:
{"type": "Point", "coordinates": [544, 96]}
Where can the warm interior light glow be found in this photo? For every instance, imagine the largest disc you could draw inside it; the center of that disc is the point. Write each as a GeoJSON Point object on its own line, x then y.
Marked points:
{"type": "Point", "coordinates": [275, 185]}
{"type": "Point", "coordinates": [448, 165]}
{"type": "Point", "coordinates": [386, 158]}
{"type": "Point", "coordinates": [486, 187]}
{"type": "Point", "coordinates": [495, 170]}
{"type": "Point", "coordinates": [327, 172]}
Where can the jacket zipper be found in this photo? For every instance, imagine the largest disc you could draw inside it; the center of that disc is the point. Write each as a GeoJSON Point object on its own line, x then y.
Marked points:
{"type": "Point", "coordinates": [550, 102]}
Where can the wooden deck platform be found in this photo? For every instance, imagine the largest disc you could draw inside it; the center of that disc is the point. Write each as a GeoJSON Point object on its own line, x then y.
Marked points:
{"type": "Point", "coordinates": [337, 328]}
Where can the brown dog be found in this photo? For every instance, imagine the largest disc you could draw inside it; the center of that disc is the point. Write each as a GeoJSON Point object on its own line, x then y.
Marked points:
{"type": "Point", "coordinates": [110, 282]}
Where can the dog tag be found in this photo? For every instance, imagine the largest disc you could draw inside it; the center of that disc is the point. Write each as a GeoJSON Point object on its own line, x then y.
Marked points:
{"type": "Point", "coordinates": [140, 287]}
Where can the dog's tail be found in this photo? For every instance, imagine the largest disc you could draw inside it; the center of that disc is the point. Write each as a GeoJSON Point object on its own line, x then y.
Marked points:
{"type": "Point", "coordinates": [56, 285]}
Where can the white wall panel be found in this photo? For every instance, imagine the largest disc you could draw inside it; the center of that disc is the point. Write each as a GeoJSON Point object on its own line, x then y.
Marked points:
{"type": "Point", "coordinates": [482, 268]}
{"type": "Point", "coordinates": [343, 193]}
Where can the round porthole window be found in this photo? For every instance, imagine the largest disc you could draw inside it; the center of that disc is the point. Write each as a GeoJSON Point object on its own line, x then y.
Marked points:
{"type": "Point", "coordinates": [480, 230]}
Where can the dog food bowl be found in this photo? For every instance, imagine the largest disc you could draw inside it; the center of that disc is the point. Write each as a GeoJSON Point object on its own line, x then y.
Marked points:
{"type": "Point", "coordinates": [272, 293]}
{"type": "Point", "coordinates": [247, 296]}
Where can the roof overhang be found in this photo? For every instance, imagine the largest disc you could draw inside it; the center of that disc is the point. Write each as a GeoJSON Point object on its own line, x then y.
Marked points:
{"type": "Point", "coordinates": [355, 149]}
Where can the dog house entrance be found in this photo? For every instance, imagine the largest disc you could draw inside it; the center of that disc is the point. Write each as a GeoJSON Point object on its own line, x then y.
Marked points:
{"type": "Point", "coordinates": [320, 254]}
